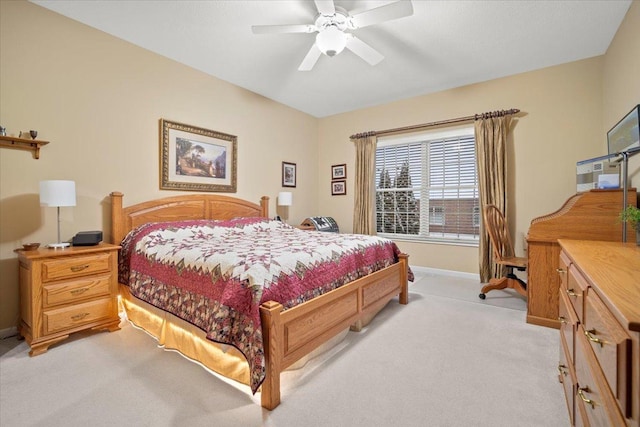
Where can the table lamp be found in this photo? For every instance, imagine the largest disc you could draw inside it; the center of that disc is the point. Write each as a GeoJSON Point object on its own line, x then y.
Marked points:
{"type": "Point", "coordinates": [58, 193]}
{"type": "Point", "coordinates": [285, 198]}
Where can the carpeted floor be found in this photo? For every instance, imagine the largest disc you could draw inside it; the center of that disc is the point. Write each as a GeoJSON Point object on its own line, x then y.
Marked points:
{"type": "Point", "coordinates": [446, 359]}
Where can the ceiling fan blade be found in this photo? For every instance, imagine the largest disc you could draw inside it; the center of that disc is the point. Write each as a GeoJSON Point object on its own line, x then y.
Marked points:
{"type": "Point", "coordinates": [325, 7]}
{"type": "Point", "coordinates": [279, 29]}
{"type": "Point", "coordinates": [396, 10]}
{"type": "Point", "coordinates": [363, 50]}
{"type": "Point", "coordinates": [310, 59]}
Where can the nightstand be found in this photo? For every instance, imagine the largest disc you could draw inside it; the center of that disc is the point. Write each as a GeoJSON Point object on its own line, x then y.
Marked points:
{"type": "Point", "coordinates": [63, 291]}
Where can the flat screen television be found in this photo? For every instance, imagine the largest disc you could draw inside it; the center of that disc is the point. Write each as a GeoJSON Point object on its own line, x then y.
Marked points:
{"type": "Point", "coordinates": [625, 135]}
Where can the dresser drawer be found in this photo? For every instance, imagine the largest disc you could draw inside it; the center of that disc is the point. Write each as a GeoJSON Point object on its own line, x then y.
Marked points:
{"type": "Point", "coordinates": [563, 269]}
{"type": "Point", "coordinates": [580, 416]}
{"type": "Point", "coordinates": [57, 320]}
{"type": "Point", "coordinates": [576, 290]}
{"type": "Point", "coordinates": [611, 346]}
{"type": "Point", "coordinates": [76, 290]}
{"type": "Point", "coordinates": [593, 396]}
{"type": "Point", "coordinates": [68, 267]}
{"type": "Point", "coordinates": [566, 375]}
{"type": "Point", "coordinates": [568, 322]}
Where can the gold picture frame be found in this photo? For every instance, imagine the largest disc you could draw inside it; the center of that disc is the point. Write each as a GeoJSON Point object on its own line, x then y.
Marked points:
{"type": "Point", "coordinates": [197, 159]}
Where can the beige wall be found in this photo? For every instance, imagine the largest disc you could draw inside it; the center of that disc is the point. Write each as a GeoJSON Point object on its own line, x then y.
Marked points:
{"type": "Point", "coordinates": [560, 125]}
{"type": "Point", "coordinates": [98, 100]}
{"type": "Point", "coordinates": [621, 78]}
{"type": "Point", "coordinates": [566, 112]}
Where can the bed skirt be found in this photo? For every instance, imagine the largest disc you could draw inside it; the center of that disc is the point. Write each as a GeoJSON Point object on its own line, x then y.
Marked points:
{"type": "Point", "coordinates": [173, 333]}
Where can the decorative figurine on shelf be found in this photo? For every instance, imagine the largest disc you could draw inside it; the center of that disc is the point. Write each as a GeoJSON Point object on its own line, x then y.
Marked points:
{"type": "Point", "coordinates": [33, 134]}
{"type": "Point", "coordinates": [3, 131]}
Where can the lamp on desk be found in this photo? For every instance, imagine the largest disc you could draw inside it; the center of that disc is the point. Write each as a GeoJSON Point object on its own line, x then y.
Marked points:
{"type": "Point", "coordinates": [58, 193]}
{"type": "Point", "coordinates": [285, 198]}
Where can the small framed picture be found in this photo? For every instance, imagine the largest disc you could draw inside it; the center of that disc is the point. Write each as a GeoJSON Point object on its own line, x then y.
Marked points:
{"type": "Point", "coordinates": [338, 172]}
{"type": "Point", "coordinates": [288, 174]}
{"type": "Point", "coordinates": [339, 188]}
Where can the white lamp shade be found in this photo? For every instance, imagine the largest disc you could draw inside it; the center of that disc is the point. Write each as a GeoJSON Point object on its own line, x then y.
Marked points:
{"type": "Point", "coordinates": [285, 198]}
{"type": "Point", "coordinates": [57, 193]}
{"type": "Point", "coordinates": [331, 41]}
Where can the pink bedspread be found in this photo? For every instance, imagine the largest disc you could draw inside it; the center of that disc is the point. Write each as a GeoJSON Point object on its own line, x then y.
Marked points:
{"type": "Point", "coordinates": [215, 274]}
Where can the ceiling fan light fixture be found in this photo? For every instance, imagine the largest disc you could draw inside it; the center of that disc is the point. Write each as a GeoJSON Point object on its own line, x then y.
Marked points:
{"type": "Point", "coordinates": [331, 41]}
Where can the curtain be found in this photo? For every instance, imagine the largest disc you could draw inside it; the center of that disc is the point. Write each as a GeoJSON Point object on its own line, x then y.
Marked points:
{"type": "Point", "coordinates": [365, 191]}
{"type": "Point", "coordinates": [491, 131]}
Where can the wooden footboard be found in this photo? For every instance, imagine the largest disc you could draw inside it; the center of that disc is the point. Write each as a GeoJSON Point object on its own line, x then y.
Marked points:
{"type": "Point", "coordinates": [289, 335]}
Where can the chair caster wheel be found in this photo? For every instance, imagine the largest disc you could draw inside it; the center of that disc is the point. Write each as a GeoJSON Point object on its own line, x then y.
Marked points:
{"type": "Point", "coordinates": [482, 296]}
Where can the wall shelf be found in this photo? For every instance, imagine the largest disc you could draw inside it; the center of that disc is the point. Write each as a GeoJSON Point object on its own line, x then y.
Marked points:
{"type": "Point", "coordinates": [23, 144]}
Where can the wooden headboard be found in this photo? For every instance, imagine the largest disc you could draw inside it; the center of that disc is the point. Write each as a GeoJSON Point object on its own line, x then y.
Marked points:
{"type": "Point", "coordinates": [191, 206]}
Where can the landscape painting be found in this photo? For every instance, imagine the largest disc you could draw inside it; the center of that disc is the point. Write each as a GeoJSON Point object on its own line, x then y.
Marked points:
{"type": "Point", "coordinates": [197, 159]}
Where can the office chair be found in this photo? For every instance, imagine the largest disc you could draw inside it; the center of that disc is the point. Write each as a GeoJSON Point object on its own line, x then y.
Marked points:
{"type": "Point", "coordinates": [503, 254]}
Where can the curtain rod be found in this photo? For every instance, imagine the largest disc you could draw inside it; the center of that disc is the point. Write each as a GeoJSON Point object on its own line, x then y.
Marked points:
{"type": "Point", "coordinates": [438, 123]}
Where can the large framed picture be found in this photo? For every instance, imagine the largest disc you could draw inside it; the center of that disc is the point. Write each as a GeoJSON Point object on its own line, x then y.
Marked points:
{"type": "Point", "coordinates": [626, 133]}
{"type": "Point", "coordinates": [196, 159]}
{"type": "Point", "coordinates": [338, 172]}
{"type": "Point", "coordinates": [288, 174]}
{"type": "Point", "coordinates": [338, 188]}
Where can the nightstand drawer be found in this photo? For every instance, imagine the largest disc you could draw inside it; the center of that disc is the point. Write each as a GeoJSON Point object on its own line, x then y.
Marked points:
{"type": "Point", "coordinates": [76, 266]}
{"type": "Point", "coordinates": [76, 290]}
{"type": "Point", "coordinates": [77, 315]}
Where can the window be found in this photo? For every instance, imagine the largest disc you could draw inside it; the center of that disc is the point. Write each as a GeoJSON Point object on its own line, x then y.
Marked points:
{"type": "Point", "coordinates": [476, 216]}
{"type": "Point", "coordinates": [427, 187]}
{"type": "Point", "coordinates": [436, 215]}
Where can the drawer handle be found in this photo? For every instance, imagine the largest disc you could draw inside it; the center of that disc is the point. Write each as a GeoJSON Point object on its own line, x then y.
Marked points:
{"type": "Point", "coordinates": [77, 268]}
{"type": "Point", "coordinates": [79, 291]}
{"type": "Point", "coordinates": [562, 319]}
{"type": "Point", "coordinates": [79, 316]}
{"type": "Point", "coordinates": [562, 369]}
{"type": "Point", "coordinates": [572, 293]}
{"type": "Point", "coordinates": [581, 392]}
{"type": "Point", "coordinates": [561, 270]}
{"type": "Point", "coordinates": [590, 335]}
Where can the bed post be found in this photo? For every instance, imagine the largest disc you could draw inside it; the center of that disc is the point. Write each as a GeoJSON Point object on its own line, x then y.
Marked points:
{"type": "Point", "coordinates": [273, 348]}
{"type": "Point", "coordinates": [264, 205]}
{"type": "Point", "coordinates": [404, 279]}
{"type": "Point", "coordinates": [117, 222]}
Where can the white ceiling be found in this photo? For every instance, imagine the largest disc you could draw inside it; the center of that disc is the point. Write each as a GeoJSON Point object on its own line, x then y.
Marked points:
{"type": "Point", "coordinates": [445, 44]}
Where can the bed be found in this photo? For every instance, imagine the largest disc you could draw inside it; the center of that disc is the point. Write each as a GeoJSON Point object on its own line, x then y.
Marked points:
{"type": "Point", "coordinates": [288, 333]}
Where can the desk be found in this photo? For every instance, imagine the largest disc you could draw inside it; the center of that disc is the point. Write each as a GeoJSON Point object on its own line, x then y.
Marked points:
{"type": "Point", "coordinates": [591, 215]}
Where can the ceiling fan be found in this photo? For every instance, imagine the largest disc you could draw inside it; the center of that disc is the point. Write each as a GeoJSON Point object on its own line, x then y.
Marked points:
{"type": "Point", "coordinates": [332, 24]}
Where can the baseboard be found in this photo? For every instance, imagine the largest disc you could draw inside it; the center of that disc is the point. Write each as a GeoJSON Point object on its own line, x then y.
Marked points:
{"type": "Point", "coordinates": [9, 332]}
{"type": "Point", "coordinates": [429, 270]}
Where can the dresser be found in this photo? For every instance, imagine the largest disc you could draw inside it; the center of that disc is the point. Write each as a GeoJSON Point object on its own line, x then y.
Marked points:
{"type": "Point", "coordinates": [63, 291]}
{"type": "Point", "coordinates": [591, 215]}
{"type": "Point", "coordinates": [599, 313]}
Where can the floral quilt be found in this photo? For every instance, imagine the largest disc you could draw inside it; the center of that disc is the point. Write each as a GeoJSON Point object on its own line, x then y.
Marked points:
{"type": "Point", "coordinates": [215, 274]}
